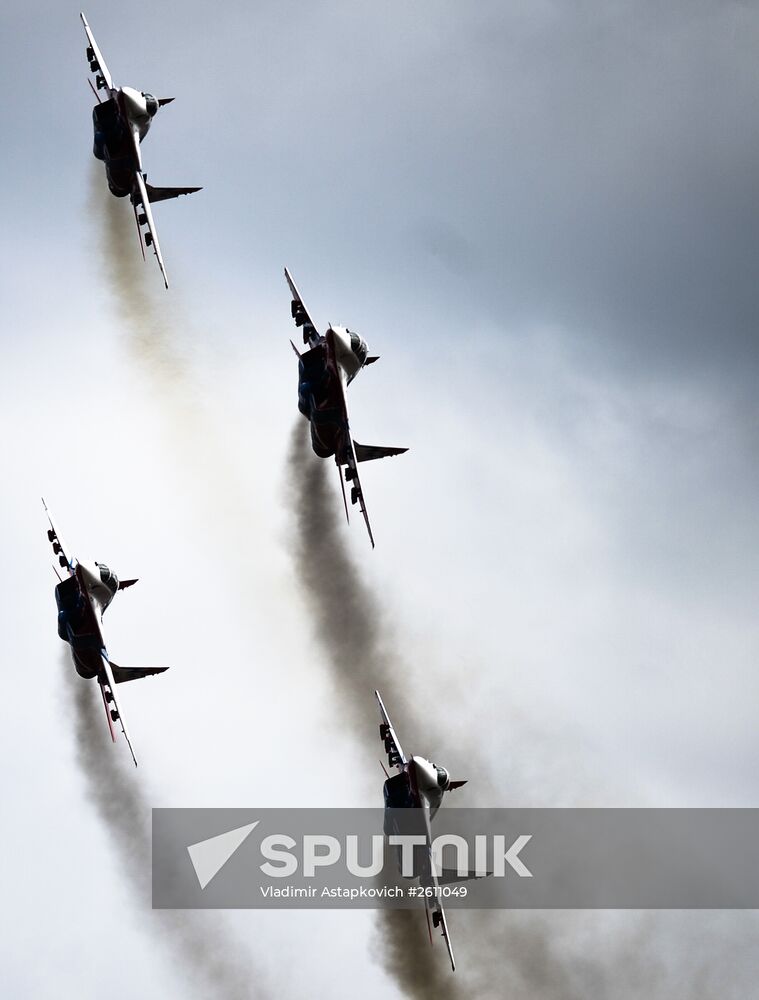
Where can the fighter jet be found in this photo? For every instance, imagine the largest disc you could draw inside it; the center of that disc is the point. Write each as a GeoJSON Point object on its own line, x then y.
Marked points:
{"type": "Point", "coordinates": [82, 598]}
{"type": "Point", "coordinates": [419, 785]}
{"type": "Point", "coordinates": [324, 372]}
{"type": "Point", "coordinates": [121, 122]}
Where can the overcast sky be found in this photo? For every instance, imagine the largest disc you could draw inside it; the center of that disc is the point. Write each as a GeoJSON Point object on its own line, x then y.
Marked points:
{"type": "Point", "coordinates": [543, 217]}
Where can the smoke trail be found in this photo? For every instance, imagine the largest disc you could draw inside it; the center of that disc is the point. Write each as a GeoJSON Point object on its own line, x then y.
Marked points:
{"type": "Point", "coordinates": [349, 624]}
{"type": "Point", "coordinates": [520, 955]}
{"type": "Point", "coordinates": [348, 620]}
{"type": "Point", "coordinates": [213, 965]}
{"type": "Point", "coordinates": [155, 345]}
{"type": "Point", "coordinates": [152, 321]}
{"type": "Point", "coordinates": [350, 627]}
{"type": "Point", "coordinates": [154, 339]}
{"type": "Point", "coordinates": [160, 341]}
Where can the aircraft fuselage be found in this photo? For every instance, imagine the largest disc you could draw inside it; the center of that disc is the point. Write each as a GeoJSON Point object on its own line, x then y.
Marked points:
{"type": "Point", "coordinates": [421, 784]}
{"type": "Point", "coordinates": [114, 121]}
{"type": "Point", "coordinates": [82, 599]}
{"type": "Point", "coordinates": [323, 373]}
{"type": "Point", "coordinates": [418, 788]}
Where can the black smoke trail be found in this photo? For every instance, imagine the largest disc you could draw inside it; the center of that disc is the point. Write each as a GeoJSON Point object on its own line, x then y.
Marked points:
{"type": "Point", "coordinates": [348, 620]}
{"type": "Point", "coordinates": [214, 964]}
{"type": "Point", "coordinates": [514, 954]}
{"type": "Point", "coordinates": [350, 626]}
{"type": "Point", "coordinates": [155, 329]}
{"type": "Point", "coordinates": [364, 654]}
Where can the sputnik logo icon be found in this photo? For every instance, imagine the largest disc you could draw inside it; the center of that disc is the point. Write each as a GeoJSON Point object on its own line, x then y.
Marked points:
{"type": "Point", "coordinates": [209, 856]}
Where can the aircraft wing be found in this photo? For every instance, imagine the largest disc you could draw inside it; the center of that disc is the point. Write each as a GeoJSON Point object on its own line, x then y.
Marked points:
{"type": "Point", "coordinates": [300, 314]}
{"type": "Point", "coordinates": [97, 64]}
{"type": "Point", "coordinates": [438, 920]}
{"type": "Point", "coordinates": [428, 877]}
{"type": "Point", "coordinates": [112, 708]}
{"type": "Point", "coordinates": [351, 476]}
{"type": "Point", "coordinates": [351, 462]}
{"type": "Point", "coordinates": [145, 216]}
{"type": "Point", "coordinates": [395, 755]}
{"type": "Point", "coordinates": [64, 553]}
{"type": "Point", "coordinates": [433, 905]}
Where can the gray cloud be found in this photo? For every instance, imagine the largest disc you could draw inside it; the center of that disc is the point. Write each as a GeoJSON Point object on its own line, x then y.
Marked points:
{"type": "Point", "coordinates": [455, 178]}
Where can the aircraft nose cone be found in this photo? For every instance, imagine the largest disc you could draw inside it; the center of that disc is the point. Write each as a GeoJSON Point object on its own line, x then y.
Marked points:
{"type": "Point", "coordinates": [135, 103]}
{"type": "Point", "coordinates": [426, 775]}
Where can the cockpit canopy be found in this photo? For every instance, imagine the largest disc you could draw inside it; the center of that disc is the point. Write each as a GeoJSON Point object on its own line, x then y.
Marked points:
{"type": "Point", "coordinates": [151, 103]}
{"type": "Point", "coordinates": [108, 578]}
{"type": "Point", "coordinates": [358, 346]}
{"type": "Point", "coordinates": [443, 778]}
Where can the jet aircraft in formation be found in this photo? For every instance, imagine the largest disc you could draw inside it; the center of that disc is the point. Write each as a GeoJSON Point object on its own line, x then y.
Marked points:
{"type": "Point", "coordinates": [82, 598]}
{"type": "Point", "coordinates": [325, 371]}
{"type": "Point", "coordinates": [120, 123]}
{"type": "Point", "coordinates": [420, 786]}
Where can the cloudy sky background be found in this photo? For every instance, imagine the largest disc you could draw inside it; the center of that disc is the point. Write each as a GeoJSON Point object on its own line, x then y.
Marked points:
{"type": "Point", "coordinates": [543, 218]}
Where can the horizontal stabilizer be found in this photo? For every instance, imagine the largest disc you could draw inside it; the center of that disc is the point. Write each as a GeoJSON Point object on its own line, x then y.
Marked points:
{"type": "Point", "coordinates": [368, 452]}
{"type": "Point", "coordinates": [164, 100]}
{"type": "Point", "coordinates": [456, 784]}
{"type": "Point", "coordinates": [123, 674]}
{"type": "Point", "coordinates": [371, 359]}
{"type": "Point", "coordinates": [123, 584]}
{"type": "Point", "coordinates": [163, 194]}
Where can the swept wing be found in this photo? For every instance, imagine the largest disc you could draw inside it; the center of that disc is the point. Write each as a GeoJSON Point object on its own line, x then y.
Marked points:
{"type": "Point", "coordinates": [438, 920]}
{"type": "Point", "coordinates": [65, 555]}
{"type": "Point", "coordinates": [301, 316]}
{"type": "Point", "coordinates": [395, 755]}
{"type": "Point", "coordinates": [112, 707]}
{"type": "Point", "coordinates": [140, 200]}
{"type": "Point", "coordinates": [97, 63]}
